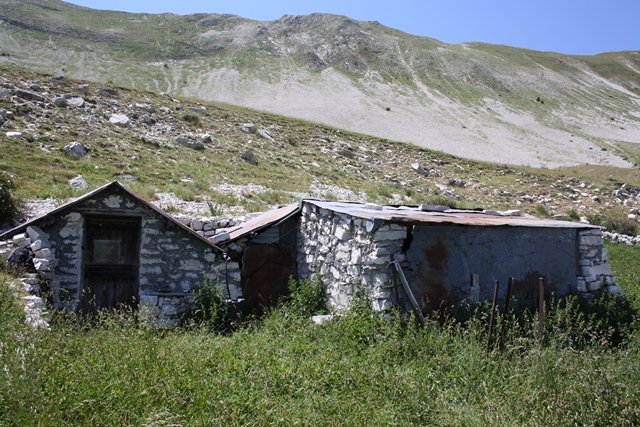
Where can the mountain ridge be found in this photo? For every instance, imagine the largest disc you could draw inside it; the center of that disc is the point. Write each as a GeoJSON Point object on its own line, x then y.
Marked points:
{"type": "Point", "coordinates": [476, 100]}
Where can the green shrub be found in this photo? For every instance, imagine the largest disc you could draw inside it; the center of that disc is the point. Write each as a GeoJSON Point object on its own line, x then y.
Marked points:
{"type": "Point", "coordinates": [615, 223]}
{"type": "Point", "coordinates": [306, 298]}
{"type": "Point", "coordinates": [9, 206]}
{"type": "Point", "coordinates": [574, 215]}
{"type": "Point", "coordinates": [205, 308]}
{"type": "Point", "coordinates": [542, 210]}
{"type": "Point", "coordinates": [194, 119]}
{"type": "Point", "coordinates": [12, 314]}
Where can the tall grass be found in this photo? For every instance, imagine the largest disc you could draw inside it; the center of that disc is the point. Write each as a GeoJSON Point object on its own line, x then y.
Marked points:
{"type": "Point", "coordinates": [361, 368]}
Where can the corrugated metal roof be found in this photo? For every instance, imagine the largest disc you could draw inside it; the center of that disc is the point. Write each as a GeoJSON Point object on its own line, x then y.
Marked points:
{"type": "Point", "coordinates": [451, 216]}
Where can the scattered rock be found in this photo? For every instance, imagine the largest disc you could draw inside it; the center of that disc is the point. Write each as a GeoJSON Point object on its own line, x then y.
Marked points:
{"type": "Point", "coordinates": [30, 96]}
{"type": "Point", "coordinates": [148, 120]}
{"type": "Point", "coordinates": [107, 91]}
{"type": "Point", "coordinates": [265, 134]}
{"type": "Point", "coordinates": [126, 177]}
{"type": "Point", "coordinates": [454, 182]}
{"type": "Point", "coordinates": [83, 89]}
{"type": "Point", "coordinates": [198, 110]}
{"type": "Point", "coordinates": [14, 134]}
{"type": "Point", "coordinates": [75, 149]}
{"type": "Point", "coordinates": [76, 101]}
{"type": "Point", "coordinates": [190, 143]}
{"type": "Point", "coordinates": [79, 183]}
{"type": "Point", "coordinates": [416, 167]}
{"type": "Point", "coordinates": [60, 102]}
{"type": "Point", "coordinates": [206, 138]}
{"type": "Point", "coordinates": [344, 149]}
{"type": "Point", "coordinates": [59, 80]}
{"type": "Point", "coordinates": [249, 128]}
{"type": "Point", "coordinates": [119, 120]}
{"type": "Point", "coordinates": [249, 157]}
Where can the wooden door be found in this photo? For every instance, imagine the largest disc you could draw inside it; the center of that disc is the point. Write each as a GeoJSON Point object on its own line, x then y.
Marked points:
{"type": "Point", "coordinates": [266, 273]}
{"type": "Point", "coordinates": [111, 263]}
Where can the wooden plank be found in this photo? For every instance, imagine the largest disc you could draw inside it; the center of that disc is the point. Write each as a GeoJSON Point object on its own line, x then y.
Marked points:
{"type": "Point", "coordinates": [407, 290]}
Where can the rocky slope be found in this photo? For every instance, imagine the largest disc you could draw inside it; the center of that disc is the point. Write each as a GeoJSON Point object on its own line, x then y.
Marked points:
{"type": "Point", "coordinates": [478, 101]}
{"type": "Point", "coordinates": [211, 159]}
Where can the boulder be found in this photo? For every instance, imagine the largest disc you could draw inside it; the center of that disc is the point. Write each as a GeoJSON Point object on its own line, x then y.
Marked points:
{"type": "Point", "coordinates": [60, 102]}
{"type": "Point", "coordinates": [75, 149]}
{"type": "Point", "coordinates": [76, 101]}
{"type": "Point", "coordinates": [190, 143]}
{"type": "Point", "coordinates": [148, 120]}
{"type": "Point", "coordinates": [119, 120]}
{"type": "Point", "coordinates": [249, 128]}
{"type": "Point", "coordinates": [265, 134]}
{"type": "Point", "coordinates": [249, 157]}
{"type": "Point", "coordinates": [79, 183]}
{"type": "Point", "coordinates": [29, 96]}
{"type": "Point", "coordinates": [83, 89]}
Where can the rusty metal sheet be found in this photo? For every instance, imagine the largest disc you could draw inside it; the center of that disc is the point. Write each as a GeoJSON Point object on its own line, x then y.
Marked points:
{"type": "Point", "coordinates": [451, 216]}
{"type": "Point", "coordinates": [263, 221]}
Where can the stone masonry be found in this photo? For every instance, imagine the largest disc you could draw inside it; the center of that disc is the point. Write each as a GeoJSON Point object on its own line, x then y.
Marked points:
{"type": "Point", "coordinates": [347, 252]}
{"type": "Point", "coordinates": [594, 269]}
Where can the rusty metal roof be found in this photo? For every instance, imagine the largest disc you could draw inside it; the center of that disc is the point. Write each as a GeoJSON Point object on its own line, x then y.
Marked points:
{"type": "Point", "coordinates": [263, 221]}
{"type": "Point", "coordinates": [112, 185]}
{"type": "Point", "coordinates": [449, 216]}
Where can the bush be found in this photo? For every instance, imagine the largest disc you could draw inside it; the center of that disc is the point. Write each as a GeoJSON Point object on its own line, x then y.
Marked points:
{"type": "Point", "coordinates": [9, 206]}
{"type": "Point", "coordinates": [194, 119]}
{"type": "Point", "coordinates": [306, 298]}
{"type": "Point", "coordinates": [205, 308]}
{"type": "Point", "coordinates": [614, 223]}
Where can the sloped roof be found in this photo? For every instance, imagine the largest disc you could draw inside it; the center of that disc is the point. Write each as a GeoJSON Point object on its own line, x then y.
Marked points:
{"type": "Point", "coordinates": [115, 185]}
{"type": "Point", "coordinates": [449, 216]}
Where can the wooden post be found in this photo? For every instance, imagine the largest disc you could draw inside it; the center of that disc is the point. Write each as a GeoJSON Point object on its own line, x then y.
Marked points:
{"type": "Point", "coordinates": [493, 313]}
{"type": "Point", "coordinates": [505, 315]}
{"type": "Point", "coordinates": [541, 314]}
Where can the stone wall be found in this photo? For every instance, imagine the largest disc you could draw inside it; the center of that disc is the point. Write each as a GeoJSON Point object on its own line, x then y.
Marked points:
{"type": "Point", "coordinates": [346, 252]}
{"type": "Point", "coordinates": [594, 269]}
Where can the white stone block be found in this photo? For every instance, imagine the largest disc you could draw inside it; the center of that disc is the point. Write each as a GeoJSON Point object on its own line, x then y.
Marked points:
{"type": "Point", "coordinates": [19, 238]}
{"type": "Point", "coordinates": [43, 253]}
{"type": "Point", "coordinates": [381, 235]}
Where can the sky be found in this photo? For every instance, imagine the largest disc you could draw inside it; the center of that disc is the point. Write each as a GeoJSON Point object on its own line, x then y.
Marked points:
{"type": "Point", "coordinates": [577, 27]}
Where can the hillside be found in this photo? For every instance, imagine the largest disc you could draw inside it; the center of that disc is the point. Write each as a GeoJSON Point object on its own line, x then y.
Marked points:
{"type": "Point", "coordinates": [212, 158]}
{"type": "Point", "coordinates": [479, 101]}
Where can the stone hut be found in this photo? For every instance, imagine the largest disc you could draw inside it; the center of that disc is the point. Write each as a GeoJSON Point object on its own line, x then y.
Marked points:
{"type": "Point", "coordinates": [447, 256]}
{"type": "Point", "coordinates": [111, 247]}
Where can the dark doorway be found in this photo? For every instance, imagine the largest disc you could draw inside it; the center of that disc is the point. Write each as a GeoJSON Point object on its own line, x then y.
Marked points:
{"type": "Point", "coordinates": [111, 263]}
{"type": "Point", "coordinates": [266, 273]}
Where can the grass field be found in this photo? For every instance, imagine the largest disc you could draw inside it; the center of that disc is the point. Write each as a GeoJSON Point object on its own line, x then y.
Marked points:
{"type": "Point", "coordinates": [357, 370]}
